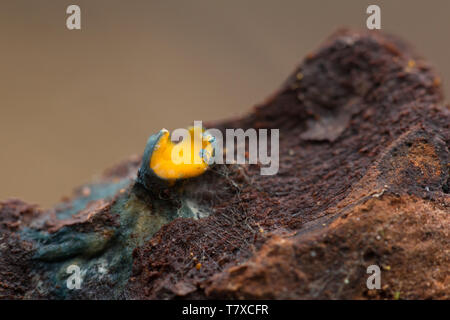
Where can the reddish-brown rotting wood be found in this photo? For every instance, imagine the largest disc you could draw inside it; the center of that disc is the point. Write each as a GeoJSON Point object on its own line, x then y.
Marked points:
{"type": "Point", "coordinates": [363, 179]}
{"type": "Point", "coordinates": [341, 116]}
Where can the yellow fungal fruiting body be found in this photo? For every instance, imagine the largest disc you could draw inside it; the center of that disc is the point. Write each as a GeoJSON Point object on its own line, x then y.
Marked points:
{"type": "Point", "coordinates": [185, 159]}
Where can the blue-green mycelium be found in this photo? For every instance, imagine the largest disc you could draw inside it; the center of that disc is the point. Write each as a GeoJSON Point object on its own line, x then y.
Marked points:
{"type": "Point", "coordinates": [97, 231]}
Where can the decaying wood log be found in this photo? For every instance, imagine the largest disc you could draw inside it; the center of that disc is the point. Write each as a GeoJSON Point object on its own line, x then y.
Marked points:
{"type": "Point", "coordinates": [363, 180]}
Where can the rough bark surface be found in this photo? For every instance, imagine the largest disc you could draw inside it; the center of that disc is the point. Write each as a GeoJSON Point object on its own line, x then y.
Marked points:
{"type": "Point", "coordinates": [363, 180]}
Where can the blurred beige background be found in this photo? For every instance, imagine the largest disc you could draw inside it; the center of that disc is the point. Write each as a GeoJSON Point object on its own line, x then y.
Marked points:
{"type": "Point", "coordinates": [75, 102]}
